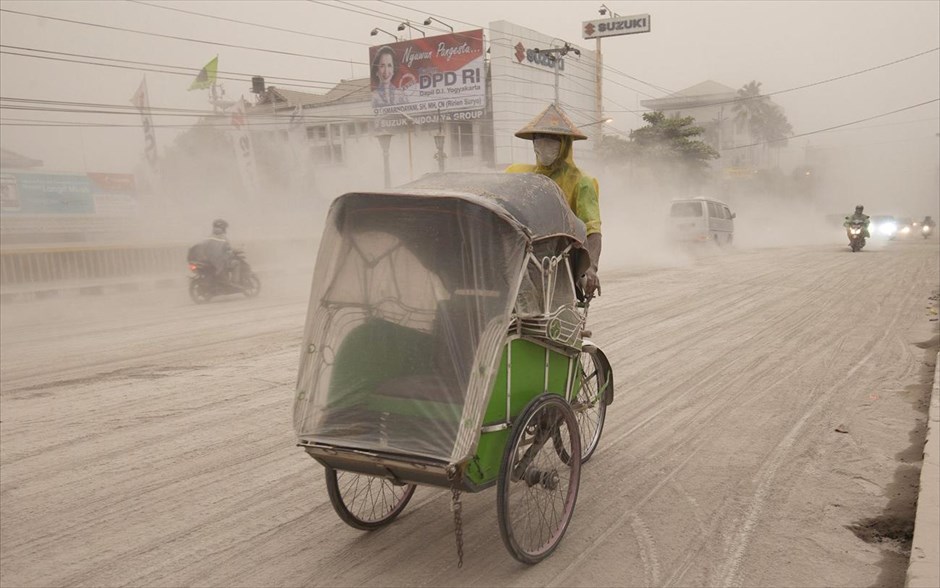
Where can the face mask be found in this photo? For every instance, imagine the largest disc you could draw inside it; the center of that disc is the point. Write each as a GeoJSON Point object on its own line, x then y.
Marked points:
{"type": "Point", "coordinates": [546, 150]}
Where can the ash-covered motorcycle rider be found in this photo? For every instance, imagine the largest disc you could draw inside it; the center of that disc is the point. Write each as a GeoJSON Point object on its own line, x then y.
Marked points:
{"type": "Point", "coordinates": [219, 253]}
{"type": "Point", "coordinates": [857, 217]}
{"type": "Point", "coordinates": [552, 134]}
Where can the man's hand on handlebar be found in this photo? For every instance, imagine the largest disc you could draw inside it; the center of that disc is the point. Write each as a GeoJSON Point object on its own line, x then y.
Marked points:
{"type": "Point", "coordinates": [590, 284]}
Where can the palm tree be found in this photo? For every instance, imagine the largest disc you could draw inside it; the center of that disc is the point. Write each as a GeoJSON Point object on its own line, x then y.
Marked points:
{"type": "Point", "coordinates": [749, 107]}
{"type": "Point", "coordinates": [765, 121]}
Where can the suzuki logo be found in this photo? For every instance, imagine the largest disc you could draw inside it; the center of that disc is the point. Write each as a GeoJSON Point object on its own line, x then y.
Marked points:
{"type": "Point", "coordinates": [589, 29]}
{"type": "Point", "coordinates": [520, 51]}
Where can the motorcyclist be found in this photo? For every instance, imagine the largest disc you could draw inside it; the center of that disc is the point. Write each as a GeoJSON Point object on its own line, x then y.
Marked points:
{"type": "Point", "coordinates": [928, 222]}
{"type": "Point", "coordinates": [857, 217]}
{"type": "Point", "coordinates": [219, 252]}
{"type": "Point", "coordinates": [552, 134]}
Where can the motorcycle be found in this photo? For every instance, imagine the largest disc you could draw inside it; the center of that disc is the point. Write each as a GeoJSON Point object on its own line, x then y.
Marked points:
{"type": "Point", "coordinates": [856, 236]}
{"type": "Point", "coordinates": [925, 231]}
{"type": "Point", "coordinates": [204, 284]}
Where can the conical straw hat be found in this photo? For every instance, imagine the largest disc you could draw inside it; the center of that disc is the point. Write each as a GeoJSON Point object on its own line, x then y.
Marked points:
{"type": "Point", "coordinates": [551, 121]}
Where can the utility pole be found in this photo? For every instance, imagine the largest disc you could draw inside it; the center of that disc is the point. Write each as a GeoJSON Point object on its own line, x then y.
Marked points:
{"type": "Point", "coordinates": [612, 25]}
{"type": "Point", "coordinates": [599, 70]}
{"type": "Point", "coordinates": [554, 56]}
{"type": "Point", "coordinates": [439, 143]}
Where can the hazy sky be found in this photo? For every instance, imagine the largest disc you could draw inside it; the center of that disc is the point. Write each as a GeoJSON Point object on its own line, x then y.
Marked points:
{"type": "Point", "coordinates": [781, 44]}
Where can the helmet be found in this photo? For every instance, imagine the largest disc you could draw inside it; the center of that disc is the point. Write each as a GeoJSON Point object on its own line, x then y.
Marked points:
{"type": "Point", "coordinates": [551, 121]}
{"type": "Point", "coordinates": [859, 208]}
{"type": "Point", "coordinates": [219, 224]}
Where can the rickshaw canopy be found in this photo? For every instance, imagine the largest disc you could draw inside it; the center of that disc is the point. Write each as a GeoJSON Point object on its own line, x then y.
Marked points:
{"type": "Point", "coordinates": [412, 297]}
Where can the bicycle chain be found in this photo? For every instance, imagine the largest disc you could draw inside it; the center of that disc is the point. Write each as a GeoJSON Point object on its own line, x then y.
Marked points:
{"type": "Point", "coordinates": [456, 506]}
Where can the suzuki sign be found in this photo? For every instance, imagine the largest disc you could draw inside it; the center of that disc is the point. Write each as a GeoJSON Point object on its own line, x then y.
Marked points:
{"type": "Point", "coordinates": [620, 25]}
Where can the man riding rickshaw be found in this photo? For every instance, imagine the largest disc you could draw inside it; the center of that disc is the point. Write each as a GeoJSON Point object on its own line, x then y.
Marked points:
{"type": "Point", "coordinates": [446, 345]}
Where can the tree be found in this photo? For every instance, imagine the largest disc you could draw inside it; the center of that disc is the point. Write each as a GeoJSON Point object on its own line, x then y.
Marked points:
{"type": "Point", "coordinates": [672, 140]}
{"type": "Point", "coordinates": [764, 120]}
{"type": "Point", "coordinates": [614, 149]}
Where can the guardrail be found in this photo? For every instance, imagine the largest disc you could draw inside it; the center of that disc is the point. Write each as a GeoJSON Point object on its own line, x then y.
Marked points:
{"type": "Point", "coordinates": [23, 265]}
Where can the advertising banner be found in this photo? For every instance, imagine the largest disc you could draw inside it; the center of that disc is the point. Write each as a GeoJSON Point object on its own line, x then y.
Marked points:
{"type": "Point", "coordinates": [66, 194]}
{"type": "Point", "coordinates": [414, 81]}
{"type": "Point", "coordinates": [244, 150]}
{"type": "Point", "coordinates": [618, 25]}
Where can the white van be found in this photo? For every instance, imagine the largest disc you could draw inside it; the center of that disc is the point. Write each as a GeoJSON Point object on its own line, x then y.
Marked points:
{"type": "Point", "coordinates": [701, 220]}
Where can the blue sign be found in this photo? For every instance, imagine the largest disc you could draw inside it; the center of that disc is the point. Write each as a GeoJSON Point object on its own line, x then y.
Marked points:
{"type": "Point", "coordinates": [48, 194]}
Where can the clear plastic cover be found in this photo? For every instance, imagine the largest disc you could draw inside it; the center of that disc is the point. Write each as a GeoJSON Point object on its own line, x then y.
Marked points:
{"type": "Point", "coordinates": [409, 308]}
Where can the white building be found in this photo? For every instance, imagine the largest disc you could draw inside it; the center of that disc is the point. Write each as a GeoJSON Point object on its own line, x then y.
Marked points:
{"type": "Point", "coordinates": [713, 106]}
{"type": "Point", "coordinates": [332, 146]}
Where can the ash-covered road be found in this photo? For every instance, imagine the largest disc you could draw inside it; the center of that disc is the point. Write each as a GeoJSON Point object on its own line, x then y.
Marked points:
{"type": "Point", "coordinates": [768, 416]}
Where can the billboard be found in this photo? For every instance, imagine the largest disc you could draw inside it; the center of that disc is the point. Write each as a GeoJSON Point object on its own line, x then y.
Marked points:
{"type": "Point", "coordinates": [414, 81]}
{"type": "Point", "coordinates": [67, 194]}
{"type": "Point", "coordinates": [618, 25]}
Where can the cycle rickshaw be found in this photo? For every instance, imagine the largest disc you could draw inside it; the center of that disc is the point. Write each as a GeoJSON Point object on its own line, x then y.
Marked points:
{"type": "Point", "coordinates": [444, 345]}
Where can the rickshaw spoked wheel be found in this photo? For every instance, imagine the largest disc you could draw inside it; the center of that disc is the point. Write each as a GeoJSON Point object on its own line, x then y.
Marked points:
{"type": "Point", "coordinates": [537, 489]}
{"type": "Point", "coordinates": [588, 404]}
{"type": "Point", "coordinates": [365, 502]}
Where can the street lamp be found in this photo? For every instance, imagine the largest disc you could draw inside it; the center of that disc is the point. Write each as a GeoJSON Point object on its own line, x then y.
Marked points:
{"type": "Point", "coordinates": [597, 122]}
{"type": "Point", "coordinates": [404, 24]}
{"type": "Point", "coordinates": [384, 141]}
{"type": "Point", "coordinates": [376, 31]}
{"type": "Point", "coordinates": [427, 22]}
{"type": "Point", "coordinates": [440, 156]}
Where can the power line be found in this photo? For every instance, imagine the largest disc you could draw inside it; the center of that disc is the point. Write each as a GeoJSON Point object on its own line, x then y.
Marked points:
{"type": "Point", "coordinates": [178, 38]}
{"type": "Point", "coordinates": [605, 67]}
{"type": "Point", "coordinates": [253, 24]}
{"type": "Point", "coordinates": [820, 82]}
{"type": "Point", "coordinates": [325, 86]}
{"type": "Point", "coordinates": [190, 40]}
{"type": "Point", "coordinates": [833, 127]}
{"type": "Point", "coordinates": [398, 19]}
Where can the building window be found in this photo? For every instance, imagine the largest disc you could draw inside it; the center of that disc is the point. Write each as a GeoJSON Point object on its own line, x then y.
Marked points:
{"type": "Point", "coordinates": [316, 133]}
{"type": "Point", "coordinates": [461, 139]}
{"type": "Point", "coordinates": [350, 129]}
{"type": "Point", "coordinates": [327, 154]}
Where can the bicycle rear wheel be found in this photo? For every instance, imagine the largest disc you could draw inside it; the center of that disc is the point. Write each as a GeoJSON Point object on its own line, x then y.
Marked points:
{"type": "Point", "coordinates": [366, 502]}
{"type": "Point", "coordinates": [537, 488]}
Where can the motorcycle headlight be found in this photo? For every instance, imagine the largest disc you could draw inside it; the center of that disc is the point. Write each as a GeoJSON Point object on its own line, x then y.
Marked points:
{"type": "Point", "coordinates": [905, 230]}
{"type": "Point", "coordinates": [926, 229]}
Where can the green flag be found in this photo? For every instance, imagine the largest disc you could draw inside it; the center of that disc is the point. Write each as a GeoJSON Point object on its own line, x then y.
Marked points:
{"type": "Point", "coordinates": [206, 76]}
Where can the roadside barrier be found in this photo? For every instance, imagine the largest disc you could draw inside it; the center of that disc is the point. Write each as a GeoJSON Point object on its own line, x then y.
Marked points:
{"type": "Point", "coordinates": [27, 265]}
{"type": "Point", "coordinates": [24, 265]}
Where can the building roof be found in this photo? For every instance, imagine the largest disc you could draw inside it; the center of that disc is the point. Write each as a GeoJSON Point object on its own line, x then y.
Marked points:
{"type": "Point", "coordinates": [13, 160]}
{"type": "Point", "coordinates": [706, 88]}
{"type": "Point", "coordinates": [358, 90]}
{"type": "Point", "coordinates": [700, 94]}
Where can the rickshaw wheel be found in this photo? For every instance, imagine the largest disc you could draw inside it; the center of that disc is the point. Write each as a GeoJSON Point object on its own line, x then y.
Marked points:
{"type": "Point", "coordinates": [588, 404]}
{"type": "Point", "coordinates": [365, 502]}
{"type": "Point", "coordinates": [537, 489]}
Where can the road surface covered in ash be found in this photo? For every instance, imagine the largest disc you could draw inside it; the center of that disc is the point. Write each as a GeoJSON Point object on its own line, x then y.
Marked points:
{"type": "Point", "coordinates": [766, 430]}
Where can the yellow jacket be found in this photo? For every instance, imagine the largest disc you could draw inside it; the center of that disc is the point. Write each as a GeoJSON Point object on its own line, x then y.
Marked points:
{"type": "Point", "coordinates": [581, 192]}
